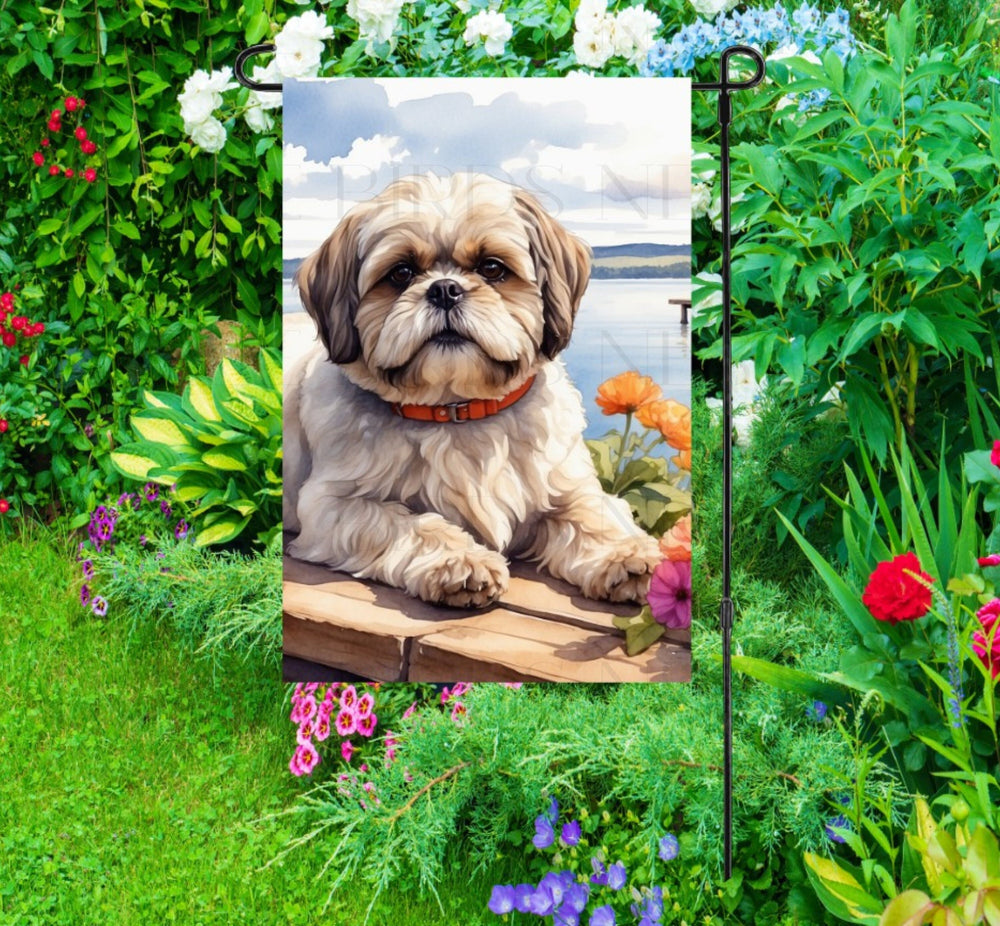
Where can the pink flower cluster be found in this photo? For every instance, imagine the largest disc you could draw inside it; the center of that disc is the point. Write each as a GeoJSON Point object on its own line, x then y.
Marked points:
{"type": "Point", "coordinates": [339, 707]}
{"type": "Point", "coordinates": [986, 641]}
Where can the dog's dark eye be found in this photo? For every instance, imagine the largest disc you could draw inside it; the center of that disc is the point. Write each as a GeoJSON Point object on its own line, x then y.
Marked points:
{"type": "Point", "coordinates": [491, 270]}
{"type": "Point", "coordinates": [400, 275]}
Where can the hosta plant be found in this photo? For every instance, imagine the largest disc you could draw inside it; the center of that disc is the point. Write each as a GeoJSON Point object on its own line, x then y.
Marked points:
{"type": "Point", "coordinates": [219, 446]}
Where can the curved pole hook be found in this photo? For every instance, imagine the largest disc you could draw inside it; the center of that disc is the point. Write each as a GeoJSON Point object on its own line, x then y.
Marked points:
{"type": "Point", "coordinates": [241, 60]}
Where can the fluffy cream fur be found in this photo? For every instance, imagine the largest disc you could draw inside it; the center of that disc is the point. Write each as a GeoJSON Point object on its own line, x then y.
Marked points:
{"type": "Point", "coordinates": [435, 508]}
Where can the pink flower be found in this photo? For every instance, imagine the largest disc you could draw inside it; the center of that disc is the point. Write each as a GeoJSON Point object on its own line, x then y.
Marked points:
{"type": "Point", "coordinates": [992, 560]}
{"type": "Point", "coordinates": [458, 711]}
{"type": "Point", "coordinates": [459, 689]}
{"type": "Point", "coordinates": [346, 723]}
{"type": "Point", "coordinates": [367, 724]}
{"type": "Point", "coordinates": [365, 704]}
{"type": "Point", "coordinates": [669, 594]}
{"type": "Point", "coordinates": [986, 642]}
{"type": "Point", "coordinates": [305, 732]}
{"type": "Point", "coordinates": [303, 709]}
{"type": "Point", "coordinates": [346, 750]}
{"type": "Point", "coordinates": [349, 697]}
{"type": "Point", "coordinates": [995, 455]}
{"type": "Point", "coordinates": [512, 684]}
{"type": "Point", "coordinates": [390, 748]}
{"type": "Point", "coordinates": [310, 687]}
{"type": "Point", "coordinates": [410, 710]}
{"type": "Point", "coordinates": [322, 730]}
{"type": "Point", "coordinates": [304, 760]}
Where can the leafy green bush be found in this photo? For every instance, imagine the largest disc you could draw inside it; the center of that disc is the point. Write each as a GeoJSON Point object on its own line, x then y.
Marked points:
{"type": "Point", "coordinates": [868, 225]}
{"type": "Point", "coordinates": [219, 447]}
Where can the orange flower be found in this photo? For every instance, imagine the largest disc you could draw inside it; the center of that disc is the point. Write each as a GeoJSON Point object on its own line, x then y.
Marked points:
{"type": "Point", "coordinates": [671, 419]}
{"type": "Point", "coordinates": [675, 544]}
{"type": "Point", "coordinates": [626, 392]}
{"type": "Point", "coordinates": [682, 460]}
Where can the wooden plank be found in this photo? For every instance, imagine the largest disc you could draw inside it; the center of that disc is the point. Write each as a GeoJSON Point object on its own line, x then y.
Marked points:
{"type": "Point", "coordinates": [380, 659]}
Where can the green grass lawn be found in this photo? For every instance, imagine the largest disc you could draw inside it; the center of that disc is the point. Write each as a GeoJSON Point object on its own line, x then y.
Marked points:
{"type": "Point", "coordinates": [138, 782]}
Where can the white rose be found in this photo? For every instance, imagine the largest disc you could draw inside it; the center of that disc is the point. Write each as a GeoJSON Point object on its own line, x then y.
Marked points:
{"type": "Point", "coordinates": [299, 45]}
{"type": "Point", "coordinates": [595, 46]}
{"type": "Point", "coordinates": [711, 8]}
{"type": "Point", "coordinates": [463, 6]}
{"type": "Point", "coordinates": [209, 135]}
{"type": "Point", "coordinates": [376, 19]}
{"type": "Point", "coordinates": [256, 118]}
{"type": "Point", "coordinates": [589, 13]}
{"type": "Point", "coordinates": [202, 95]}
{"type": "Point", "coordinates": [269, 99]}
{"type": "Point", "coordinates": [701, 200]}
{"type": "Point", "coordinates": [635, 29]}
{"type": "Point", "coordinates": [491, 26]}
{"type": "Point", "coordinates": [703, 165]}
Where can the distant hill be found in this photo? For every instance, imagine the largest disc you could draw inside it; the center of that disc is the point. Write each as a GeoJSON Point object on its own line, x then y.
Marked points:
{"type": "Point", "coordinates": [618, 261]}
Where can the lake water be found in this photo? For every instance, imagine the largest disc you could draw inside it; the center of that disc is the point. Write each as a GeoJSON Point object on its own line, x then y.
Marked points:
{"type": "Point", "coordinates": [621, 325]}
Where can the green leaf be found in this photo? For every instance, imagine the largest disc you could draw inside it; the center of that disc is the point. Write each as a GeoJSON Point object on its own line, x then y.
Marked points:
{"type": "Point", "coordinates": [840, 892]}
{"type": "Point", "coordinates": [799, 681]}
{"type": "Point", "coordinates": [907, 909]}
{"type": "Point", "coordinates": [222, 531]}
{"type": "Point", "coordinates": [225, 460]}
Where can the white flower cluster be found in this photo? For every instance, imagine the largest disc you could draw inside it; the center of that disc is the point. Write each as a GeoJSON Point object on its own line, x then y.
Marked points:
{"type": "Point", "coordinates": [298, 48]}
{"type": "Point", "coordinates": [600, 35]}
{"type": "Point", "coordinates": [200, 98]}
{"type": "Point", "coordinates": [491, 26]}
{"type": "Point", "coordinates": [376, 19]}
{"type": "Point", "coordinates": [712, 8]}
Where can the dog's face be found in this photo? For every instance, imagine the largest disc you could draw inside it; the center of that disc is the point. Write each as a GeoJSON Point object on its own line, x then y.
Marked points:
{"type": "Point", "coordinates": [442, 289]}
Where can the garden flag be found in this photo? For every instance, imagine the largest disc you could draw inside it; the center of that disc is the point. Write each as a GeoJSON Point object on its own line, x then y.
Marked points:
{"type": "Point", "coordinates": [487, 427]}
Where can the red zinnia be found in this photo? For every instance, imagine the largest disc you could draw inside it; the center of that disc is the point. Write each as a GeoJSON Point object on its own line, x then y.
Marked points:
{"type": "Point", "coordinates": [70, 103]}
{"type": "Point", "coordinates": [54, 171]}
{"type": "Point", "coordinates": [54, 125]}
{"type": "Point", "coordinates": [894, 594]}
{"type": "Point", "coordinates": [23, 360]}
{"type": "Point", "coordinates": [45, 143]}
{"type": "Point", "coordinates": [90, 175]}
{"type": "Point", "coordinates": [18, 322]}
{"type": "Point", "coordinates": [81, 133]}
{"type": "Point", "coordinates": [69, 171]}
{"type": "Point", "coordinates": [38, 328]}
{"type": "Point", "coordinates": [9, 338]}
{"type": "Point", "coordinates": [7, 301]}
{"type": "Point", "coordinates": [986, 649]}
{"type": "Point", "coordinates": [38, 158]}
{"type": "Point", "coordinates": [4, 506]}
{"type": "Point", "coordinates": [87, 146]}
{"type": "Point", "coordinates": [995, 455]}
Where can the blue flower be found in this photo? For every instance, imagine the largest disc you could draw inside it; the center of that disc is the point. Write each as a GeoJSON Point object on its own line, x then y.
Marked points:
{"type": "Point", "coordinates": [669, 847]}
{"type": "Point", "coordinates": [553, 812]}
{"type": "Point", "coordinates": [816, 711]}
{"type": "Point", "coordinates": [544, 834]}
{"type": "Point", "coordinates": [600, 875]}
{"type": "Point", "coordinates": [575, 898]}
{"type": "Point", "coordinates": [616, 877]}
{"type": "Point", "coordinates": [603, 916]}
{"type": "Point", "coordinates": [570, 835]}
{"type": "Point", "coordinates": [522, 897]}
{"type": "Point", "coordinates": [838, 822]}
{"type": "Point", "coordinates": [501, 899]}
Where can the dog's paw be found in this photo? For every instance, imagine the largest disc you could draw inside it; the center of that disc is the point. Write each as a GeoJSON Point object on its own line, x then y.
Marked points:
{"type": "Point", "coordinates": [468, 579]}
{"type": "Point", "coordinates": [625, 573]}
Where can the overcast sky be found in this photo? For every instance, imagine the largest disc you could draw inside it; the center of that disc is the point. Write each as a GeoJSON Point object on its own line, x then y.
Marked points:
{"type": "Point", "coordinates": [609, 157]}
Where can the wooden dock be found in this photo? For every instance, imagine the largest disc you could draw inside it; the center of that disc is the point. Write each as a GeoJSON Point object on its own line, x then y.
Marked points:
{"type": "Point", "coordinates": [541, 630]}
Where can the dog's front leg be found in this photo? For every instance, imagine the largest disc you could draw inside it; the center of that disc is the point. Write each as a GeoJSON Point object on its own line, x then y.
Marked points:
{"type": "Point", "coordinates": [425, 554]}
{"type": "Point", "coordinates": [592, 541]}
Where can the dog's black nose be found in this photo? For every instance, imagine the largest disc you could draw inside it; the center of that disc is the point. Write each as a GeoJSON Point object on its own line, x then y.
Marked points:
{"type": "Point", "coordinates": [444, 294]}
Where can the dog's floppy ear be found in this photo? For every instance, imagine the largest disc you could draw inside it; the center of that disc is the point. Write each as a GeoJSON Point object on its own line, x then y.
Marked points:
{"type": "Point", "coordinates": [328, 284]}
{"type": "Point", "coordinates": [562, 266]}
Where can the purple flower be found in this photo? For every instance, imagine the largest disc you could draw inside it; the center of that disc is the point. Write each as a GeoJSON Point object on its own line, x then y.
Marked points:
{"type": "Point", "coordinates": [650, 907]}
{"type": "Point", "coordinates": [544, 834]}
{"type": "Point", "coordinates": [669, 594]}
{"type": "Point", "coordinates": [99, 606]}
{"type": "Point", "coordinates": [84, 594]}
{"type": "Point", "coordinates": [553, 812]}
{"type": "Point", "coordinates": [600, 875]}
{"type": "Point", "coordinates": [501, 899]}
{"type": "Point", "coordinates": [166, 509]}
{"type": "Point", "coordinates": [669, 847]}
{"type": "Point", "coordinates": [143, 540]}
{"type": "Point", "coordinates": [522, 897]}
{"type": "Point", "coordinates": [570, 835]}
{"type": "Point", "coordinates": [816, 711]}
{"type": "Point", "coordinates": [575, 898]}
{"type": "Point", "coordinates": [151, 491]}
{"type": "Point", "coordinates": [88, 429]}
{"type": "Point", "coordinates": [181, 530]}
{"type": "Point", "coordinates": [617, 876]}
{"type": "Point", "coordinates": [602, 916]}
{"type": "Point", "coordinates": [87, 566]}
{"type": "Point", "coordinates": [838, 822]}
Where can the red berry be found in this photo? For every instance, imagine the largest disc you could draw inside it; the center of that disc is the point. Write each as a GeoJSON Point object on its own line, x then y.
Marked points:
{"type": "Point", "coordinates": [54, 125]}
{"type": "Point", "coordinates": [81, 133]}
{"type": "Point", "coordinates": [88, 147]}
{"type": "Point", "coordinates": [69, 171]}
{"type": "Point", "coordinates": [18, 322]}
{"type": "Point", "coordinates": [54, 171]}
{"type": "Point", "coordinates": [70, 103]}
{"type": "Point", "coordinates": [23, 359]}
{"type": "Point", "coordinates": [57, 114]}
{"type": "Point", "coordinates": [45, 143]}
{"type": "Point", "coordinates": [7, 301]}
{"type": "Point", "coordinates": [9, 338]}
{"type": "Point", "coordinates": [90, 175]}
{"type": "Point", "coordinates": [4, 506]}
{"type": "Point", "coordinates": [38, 158]}
{"type": "Point", "coordinates": [3, 425]}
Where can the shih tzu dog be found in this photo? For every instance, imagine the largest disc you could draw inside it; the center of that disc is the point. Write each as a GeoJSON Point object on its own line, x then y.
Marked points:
{"type": "Point", "coordinates": [433, 431]}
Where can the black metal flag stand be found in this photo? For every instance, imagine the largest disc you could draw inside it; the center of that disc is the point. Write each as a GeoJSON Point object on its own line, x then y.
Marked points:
{"type": "Point", "coordinates": [724, 87]}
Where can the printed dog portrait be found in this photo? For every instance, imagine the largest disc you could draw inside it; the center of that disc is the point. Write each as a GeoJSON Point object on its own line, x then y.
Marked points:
{"type": "Point", "coordinates": [433, 433]}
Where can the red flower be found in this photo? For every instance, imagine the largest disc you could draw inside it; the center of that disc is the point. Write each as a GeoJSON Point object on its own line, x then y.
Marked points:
{"type": "Point", "coordinates": [4, 506]}
{"type": "Point", "coordinates": [995, 455]}
{"type": "Point", "coordinates": [18, 322]}
{"type": "Point", "coordinates": [3, 425]}
{"type": "Point", "coordinates": [45, 143]}
{"type": "Point", "coordinates": [38, 328]}
{"type": "Point", "coordinates": [70, 103]}
{"type": "Point", "coordinates": [992, 560]}
{"type": "Point", "coordinates": [81, 133]}
{"type": "Point", "coordinates": [893, 593]}
{"type": "Point", "coordinates": [88, 147]}
{"type": "Point", "coordinates": [9, 338]}
{"type": "Point", "coordinates": [90, 175]}
{"type": "Point", "coordinates": [54, 171]}
{"type": "Point", "coordinates": [54, 125]}
{"type": "Point", "coordinates": [23, 360]}
{"type": "Point", "coordinates": [986, 649]}
{"type": "Point", "coordinates": [69, 171]}
{"type": "Point", "coordinates": [56, 114]}
{"type": "Point", "coordinates": [7, 301]}
{"type": "Point", "coordinates": [38, 158]}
